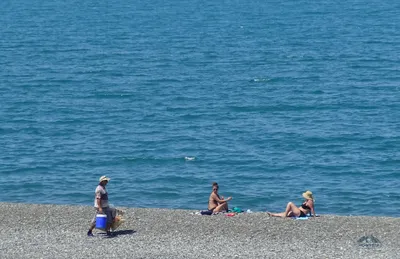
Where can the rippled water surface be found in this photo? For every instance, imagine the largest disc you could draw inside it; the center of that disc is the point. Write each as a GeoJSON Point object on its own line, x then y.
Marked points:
{"type": "Point", "coordinates": [268, 98]}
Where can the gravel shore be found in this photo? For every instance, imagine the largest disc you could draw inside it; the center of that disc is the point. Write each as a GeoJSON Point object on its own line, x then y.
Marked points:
{"type": "Point", "coordinates": [57, 231]}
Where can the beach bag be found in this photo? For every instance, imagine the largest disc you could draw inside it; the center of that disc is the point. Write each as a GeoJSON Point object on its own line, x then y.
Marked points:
{"type": "Point", "coordinates": [117, 222]}
{"type": "Point", "coordinates": [118, 219]}
{"type": "Point", "coordinates": [236, 210]}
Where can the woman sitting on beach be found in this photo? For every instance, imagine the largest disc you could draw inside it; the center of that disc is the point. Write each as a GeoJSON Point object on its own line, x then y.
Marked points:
{"type": "Point", "coordinates": [215, 202]}
{"type": "Point", "coordinates": [292, 211]}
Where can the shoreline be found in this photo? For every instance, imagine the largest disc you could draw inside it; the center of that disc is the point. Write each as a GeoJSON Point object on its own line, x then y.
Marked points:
{"type": "Point", "coordinates": [59, 231]}
{"type": "Point", "coordinates": [194, 210]}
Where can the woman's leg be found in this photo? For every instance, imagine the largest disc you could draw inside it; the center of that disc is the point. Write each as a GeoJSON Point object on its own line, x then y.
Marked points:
{"type": "Point", "coordinates": [221, 207]}
{"type": "Point", "coordinates": [291, 210]}
{"type": "Point", "coordinates": [282, 214]}
{"type": "Point", "coordinates": [225, 206]}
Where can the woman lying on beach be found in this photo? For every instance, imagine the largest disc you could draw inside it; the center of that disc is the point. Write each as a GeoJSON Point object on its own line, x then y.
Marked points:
{"type": "Point", "coordinates": [215, 202]}
{"type": "Point", "coordinates": [302, 211]}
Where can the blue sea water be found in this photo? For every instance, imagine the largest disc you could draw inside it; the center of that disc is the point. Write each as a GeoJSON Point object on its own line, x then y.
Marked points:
{"type": "Point", "coordinates": [268, 98]}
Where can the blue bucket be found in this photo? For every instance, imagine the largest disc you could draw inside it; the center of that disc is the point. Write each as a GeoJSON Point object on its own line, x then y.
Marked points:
{"type": "Point", "coordinates": [101, 221]}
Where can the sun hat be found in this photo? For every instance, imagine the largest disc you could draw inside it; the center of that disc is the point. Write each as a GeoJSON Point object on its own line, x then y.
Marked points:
{"type": "Point", "coordinates": [104, 178]}
{"type": "Point", "coordinates": [308, 195]}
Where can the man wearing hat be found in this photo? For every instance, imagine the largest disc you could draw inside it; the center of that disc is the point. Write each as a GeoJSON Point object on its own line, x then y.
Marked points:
{"type": "Point", "coordinates": [101, 205]}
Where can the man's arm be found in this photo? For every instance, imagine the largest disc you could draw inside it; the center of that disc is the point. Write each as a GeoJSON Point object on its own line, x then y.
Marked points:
{"type": "Point", "coordinates": [98, 200]}
{"type": "Point", "coordinates": [99, 205]}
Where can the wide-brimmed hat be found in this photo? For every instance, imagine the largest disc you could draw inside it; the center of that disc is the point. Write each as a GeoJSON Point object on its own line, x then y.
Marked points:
{"type": "Point", "coordinates": [104, 178]}
{"type": "Point", "coordinates": [308, 195]}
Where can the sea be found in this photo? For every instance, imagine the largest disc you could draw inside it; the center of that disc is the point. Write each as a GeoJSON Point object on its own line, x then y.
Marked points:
{"type": "Point", "coordinates": [268, 98]}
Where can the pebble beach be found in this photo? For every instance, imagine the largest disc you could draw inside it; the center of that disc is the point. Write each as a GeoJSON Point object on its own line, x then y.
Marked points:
{"type": "Point", "coordinates": [59, 231]}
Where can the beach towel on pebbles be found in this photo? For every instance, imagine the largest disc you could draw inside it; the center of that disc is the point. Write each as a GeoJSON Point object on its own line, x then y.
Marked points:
{"type": "Point", "coordinates": [206, 212]}
{"type": "Point", "coordinates": [300, 218]}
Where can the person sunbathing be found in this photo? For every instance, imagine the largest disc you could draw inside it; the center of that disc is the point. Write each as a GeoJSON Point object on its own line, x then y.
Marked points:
{"type": "Point", "coordinates": [307, 207]}
{"type": "Point", "coordinates": [215, 202]}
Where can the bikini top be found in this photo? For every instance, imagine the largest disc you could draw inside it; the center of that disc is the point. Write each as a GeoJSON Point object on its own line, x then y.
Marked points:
{"type": "Point", "coordinates": [304, 206]}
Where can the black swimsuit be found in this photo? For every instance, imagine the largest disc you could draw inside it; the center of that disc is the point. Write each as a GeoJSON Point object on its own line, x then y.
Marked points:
{"type": "Point", "coordinates": [304, 206]}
